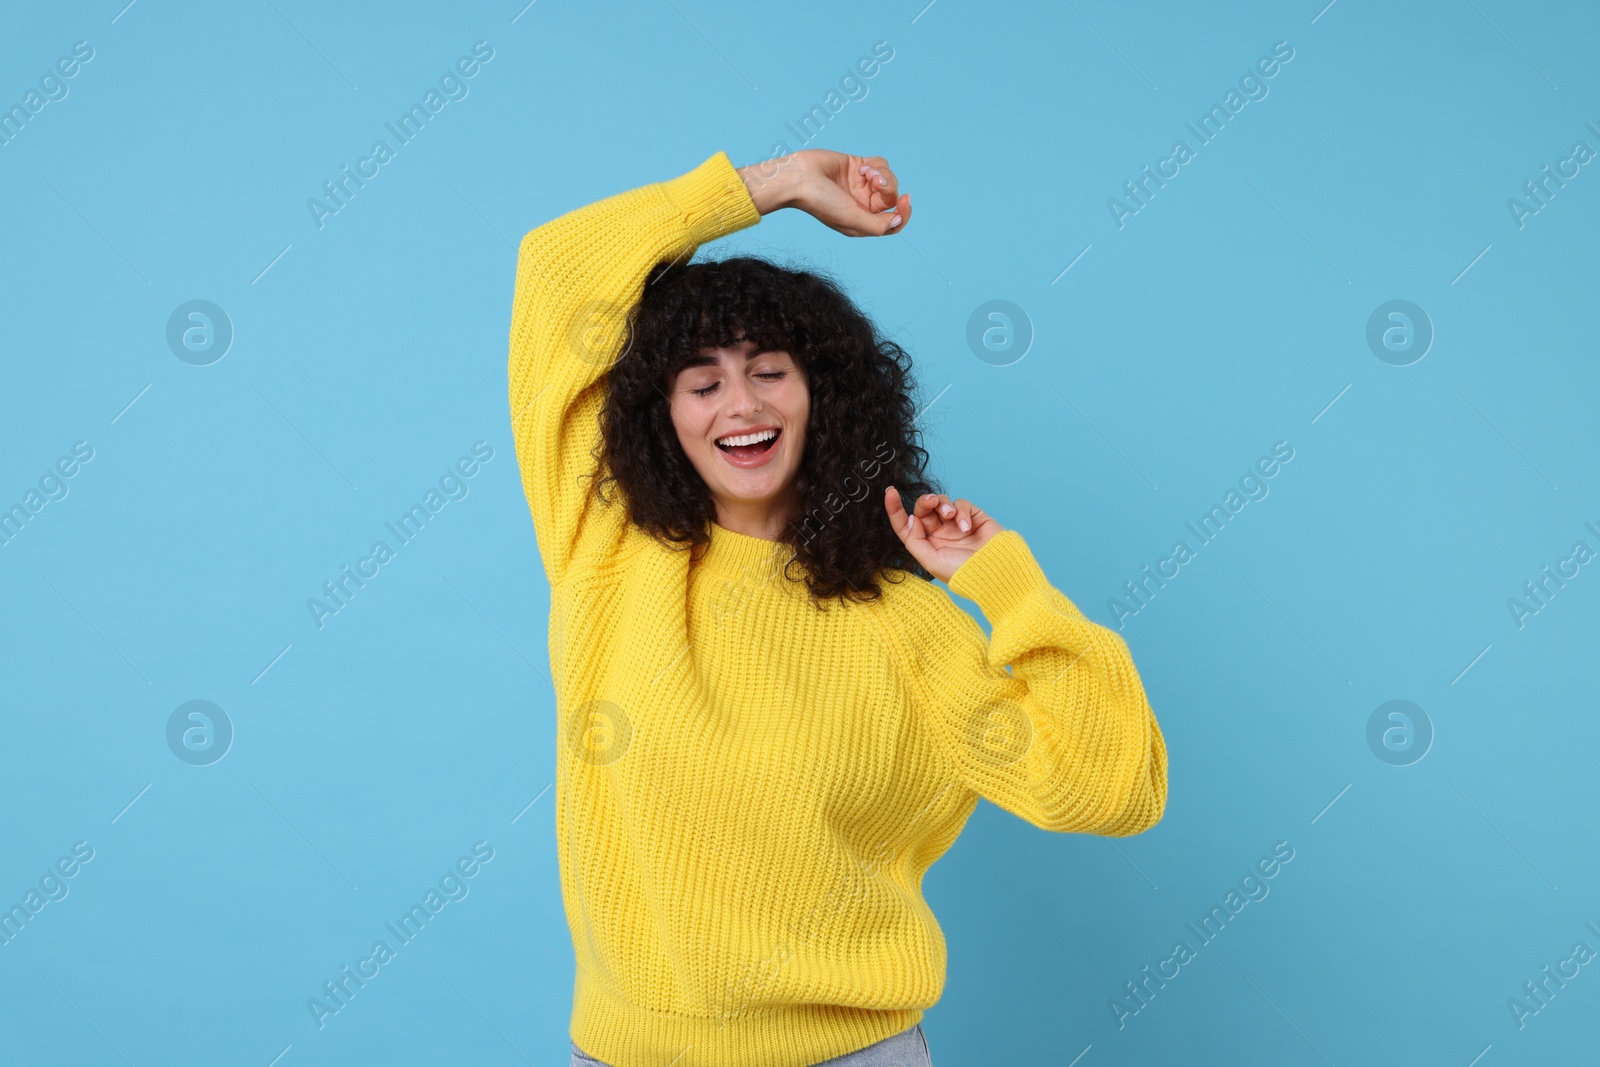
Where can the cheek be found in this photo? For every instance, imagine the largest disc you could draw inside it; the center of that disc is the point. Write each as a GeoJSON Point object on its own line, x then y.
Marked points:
{"type": "Point", "coordinates": [692, 418]}
{"type": "Point", "coordinates": [797, 402]}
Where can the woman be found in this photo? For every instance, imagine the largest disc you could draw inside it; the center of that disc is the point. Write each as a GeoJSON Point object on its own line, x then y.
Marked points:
{"type": "Point", "coordinates": [770, 722]}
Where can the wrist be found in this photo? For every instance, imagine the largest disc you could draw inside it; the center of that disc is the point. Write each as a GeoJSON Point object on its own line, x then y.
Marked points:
{"type": "Point", "coordinates": [774, 183]}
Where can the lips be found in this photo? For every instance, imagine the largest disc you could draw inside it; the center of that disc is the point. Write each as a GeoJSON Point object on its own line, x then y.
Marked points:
{"type": "Point", "coordinates": [750, 455]}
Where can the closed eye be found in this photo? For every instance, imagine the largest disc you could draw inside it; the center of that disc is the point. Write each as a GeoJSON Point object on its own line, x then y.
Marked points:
{"type": "Point", "coordinates": [764, 374]}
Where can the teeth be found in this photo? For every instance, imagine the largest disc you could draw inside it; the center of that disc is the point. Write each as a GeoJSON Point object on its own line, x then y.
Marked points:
{"type": "Point", "coordinates": [747, 439]}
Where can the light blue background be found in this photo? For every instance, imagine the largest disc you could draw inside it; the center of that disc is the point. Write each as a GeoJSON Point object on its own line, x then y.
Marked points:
{"type": "Point", "coordinates": [1227, 315]}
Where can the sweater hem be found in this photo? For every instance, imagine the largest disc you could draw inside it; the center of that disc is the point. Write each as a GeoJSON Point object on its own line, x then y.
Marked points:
{"type": "Point", "coordinates": [624, 1034]}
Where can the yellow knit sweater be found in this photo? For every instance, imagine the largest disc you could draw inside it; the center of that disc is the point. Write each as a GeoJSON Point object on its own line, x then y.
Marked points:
{"type": "Point", "coordinates": [748, 790]}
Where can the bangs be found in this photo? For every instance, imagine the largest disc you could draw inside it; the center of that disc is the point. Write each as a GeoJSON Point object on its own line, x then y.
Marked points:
{"type": "Point", "coordinates": [708, 306]}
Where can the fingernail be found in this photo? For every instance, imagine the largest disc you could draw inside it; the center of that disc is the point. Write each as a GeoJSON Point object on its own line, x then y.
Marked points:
{"type": "Point", "coordinates": [965, 525]}
{"type": "Point", "coordinates": [894, 220]}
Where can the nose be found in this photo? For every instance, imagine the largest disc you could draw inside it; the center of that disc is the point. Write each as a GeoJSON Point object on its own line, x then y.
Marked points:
{"type": "Point", "coordinates": [742, 399]}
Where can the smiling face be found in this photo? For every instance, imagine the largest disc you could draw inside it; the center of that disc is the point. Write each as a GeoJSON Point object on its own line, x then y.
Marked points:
{"type": "Point", "coordinates": [756, 403]}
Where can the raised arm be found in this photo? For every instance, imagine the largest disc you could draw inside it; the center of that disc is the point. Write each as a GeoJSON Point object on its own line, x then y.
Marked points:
{"type": "Point", "coordinates": [1067, 739]}
{"type": "Point", "coordinates": [577, 278]}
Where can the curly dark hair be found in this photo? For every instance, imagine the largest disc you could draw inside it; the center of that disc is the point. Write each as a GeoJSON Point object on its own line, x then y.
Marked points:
{"type": "Point", "coordinates": [861, 433]}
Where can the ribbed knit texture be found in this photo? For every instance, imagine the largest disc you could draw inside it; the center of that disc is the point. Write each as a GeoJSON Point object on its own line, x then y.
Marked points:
{"type": "Point", "coordinates": [748, 791]}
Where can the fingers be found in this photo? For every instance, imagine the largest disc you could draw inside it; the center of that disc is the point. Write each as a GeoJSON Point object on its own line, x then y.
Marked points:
{"type": "Point", "coordinates": [895, 221]}
{"type": "Point", "coordinates": [881, 181]}
{"type": "Point", "coordinates": [884, 192]}
{"type": "Point", "coordinates": [959, 513]}
{"type": "Point", "coordinates": [929, 513]}
{"type": "Point", "coordinates": [905, 525]}
{"type": "Point", "coordinates": [944, 511]}
{"type": "Point", "coordinates": [964, 510]}
{"type": "Point", "coordinates": [955, 511]}
{"type": "Point", "coordinates": [892, 221]}
{"type": "Point", "coordinates": [924, 518]}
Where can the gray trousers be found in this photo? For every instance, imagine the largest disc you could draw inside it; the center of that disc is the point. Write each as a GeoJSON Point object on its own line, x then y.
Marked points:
{"type": "Point", "coordinates": [909, 1048]}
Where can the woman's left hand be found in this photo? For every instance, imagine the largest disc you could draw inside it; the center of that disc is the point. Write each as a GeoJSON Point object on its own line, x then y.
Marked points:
{"type": "Point", "coordinates": [940, 533]}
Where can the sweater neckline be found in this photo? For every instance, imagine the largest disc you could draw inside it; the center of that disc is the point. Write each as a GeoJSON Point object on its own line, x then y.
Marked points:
{"type": "Point", "coordinates": [738, 555]}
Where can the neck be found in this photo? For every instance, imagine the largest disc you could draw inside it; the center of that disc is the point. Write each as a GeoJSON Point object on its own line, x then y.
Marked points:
{"type": "Point", "coordinates": [756, 518]}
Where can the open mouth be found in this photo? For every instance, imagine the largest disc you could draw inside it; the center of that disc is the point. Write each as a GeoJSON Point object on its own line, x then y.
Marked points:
{"type": "Point", "coordinates": [752, 449]}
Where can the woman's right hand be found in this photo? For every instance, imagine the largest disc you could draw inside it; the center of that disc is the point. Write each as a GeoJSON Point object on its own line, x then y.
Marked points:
{"type": "Point", "coordinates": [857, 195]}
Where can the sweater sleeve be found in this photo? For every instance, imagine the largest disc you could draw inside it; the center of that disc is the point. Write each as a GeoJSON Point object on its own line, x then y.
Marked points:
{"type": "Point", "coordinates": [578, 276]}
{"type": "Point", "coordinates": [1067, 739]}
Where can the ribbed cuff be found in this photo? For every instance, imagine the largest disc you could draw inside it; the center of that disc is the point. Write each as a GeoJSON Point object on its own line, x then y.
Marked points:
{"type": "Point", "coordinates": [712, 199]}
{"type": "Point", "coordinates": [1000, 575]}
